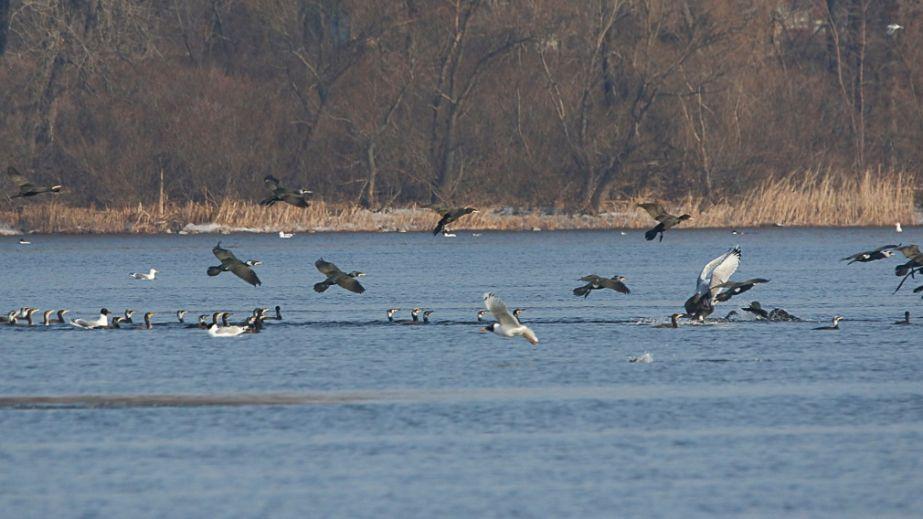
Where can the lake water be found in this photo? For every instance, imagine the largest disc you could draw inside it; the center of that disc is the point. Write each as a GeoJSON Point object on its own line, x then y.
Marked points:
{"type": "Point", "coordinates": [335, 412]}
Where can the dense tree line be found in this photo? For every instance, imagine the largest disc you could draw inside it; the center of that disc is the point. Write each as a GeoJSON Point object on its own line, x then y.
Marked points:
{"type": "Point", "coordinates": [526, 102]}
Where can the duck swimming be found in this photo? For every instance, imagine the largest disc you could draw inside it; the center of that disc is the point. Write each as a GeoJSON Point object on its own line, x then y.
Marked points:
{"type": "Point", "coordinates": [905, 320]}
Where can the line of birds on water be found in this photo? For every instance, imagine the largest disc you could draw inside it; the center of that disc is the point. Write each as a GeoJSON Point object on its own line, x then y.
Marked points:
{"type": "Point", "coordinates": [220, 325]}
{"type": "Point", "coordinates": [713, 285]}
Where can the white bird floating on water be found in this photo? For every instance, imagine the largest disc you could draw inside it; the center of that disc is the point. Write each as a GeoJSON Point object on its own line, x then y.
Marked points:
{"type": "Point", "coordinates": [151, 274]}
{"type": "Point", "coordinates": [101, 322]}
{"type": "Point", "coordinates": [286, 235]}
{"type": "Point", "coordinates": [507, 325]}
{"type": "Point", "coordinates": [24, 242]}
{"type": "Point", "coordinates": [897, 227]}
{"type": "Point", "coordinates": [893, 28]}
{"type": "Point", "coordinates": [646, 358]}
{"type": "Point", "coordinates": [226, 331]}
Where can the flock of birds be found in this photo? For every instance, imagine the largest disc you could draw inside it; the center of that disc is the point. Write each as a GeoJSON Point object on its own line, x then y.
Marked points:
{"type": "Point", "coordinates": [713, 285]}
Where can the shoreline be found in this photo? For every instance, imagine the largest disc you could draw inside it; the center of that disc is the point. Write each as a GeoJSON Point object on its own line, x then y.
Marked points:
{"type": "Point", "coordinates": [866, 200]}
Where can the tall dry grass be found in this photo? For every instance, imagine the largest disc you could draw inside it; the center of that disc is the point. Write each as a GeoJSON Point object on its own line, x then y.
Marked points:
{"type": "Point", "coordinates": [810, 198]}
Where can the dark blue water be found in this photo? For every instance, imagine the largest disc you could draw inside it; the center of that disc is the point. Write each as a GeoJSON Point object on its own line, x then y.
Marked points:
{"type": "Point", "coordinates": [731, 418]}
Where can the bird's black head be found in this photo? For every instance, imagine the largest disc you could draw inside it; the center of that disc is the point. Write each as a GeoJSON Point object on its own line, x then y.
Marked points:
{"type": "Point", "coordinates": [684, 217]}
{"type": "Point", "coordinates": [104, 311]}
{"type": "Point", "coordinates": [469, 210]}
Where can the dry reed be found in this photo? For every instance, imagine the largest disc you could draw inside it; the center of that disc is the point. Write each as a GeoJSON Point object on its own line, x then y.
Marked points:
{"type": "Point", "coordinates": [809, 198]}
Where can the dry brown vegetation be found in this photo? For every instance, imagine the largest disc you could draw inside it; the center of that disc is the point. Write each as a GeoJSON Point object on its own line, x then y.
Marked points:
{"type": "Point", "coordinates": [578, 106]}
{"type": "Point", "coordinates": [810, 199]}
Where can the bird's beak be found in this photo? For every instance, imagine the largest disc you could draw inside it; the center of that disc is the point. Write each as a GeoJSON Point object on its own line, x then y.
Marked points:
{"type": "Point", "coordinates": [484, 330]}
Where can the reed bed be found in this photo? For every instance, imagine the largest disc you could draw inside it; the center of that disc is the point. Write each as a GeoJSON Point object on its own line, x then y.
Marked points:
{"type": "Point", "coordinates": [805, 199]}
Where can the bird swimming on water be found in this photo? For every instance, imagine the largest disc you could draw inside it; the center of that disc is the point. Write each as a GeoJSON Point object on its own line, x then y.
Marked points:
{"type": "Point", "coordinates": [149, 276]}
{"type": "Point", "coordinates": [835, 326]}
{"type": "Point", "coordinates": [667, 220]}
{"type": "Point", "coordinates": [92, 324]}
{"type": "Point", "coordinates": [180, 316]}
{"type": "Point", "coordinates": [452, 216]}
{"type": "Point", "coordinates": [26, 188]}
{"type": "Point", "coordinates": [506, 326]}
{"type": "Point", "coordinates": [280, 193]}
{"type": "Point", "coordinates": [595, 282]}
{"type": "Point", "coordinates": [230, 263]}
{"type": "Point", "coordinates": [481, 314]}
{"type": "Point", "coordinates": [905, 320]}
{"type": "Point", "coordinates": [335, 276]}
{"type": "Point", "coordinates": [756, 309]}
{"type": "Point", "coordinates": [674, 322]}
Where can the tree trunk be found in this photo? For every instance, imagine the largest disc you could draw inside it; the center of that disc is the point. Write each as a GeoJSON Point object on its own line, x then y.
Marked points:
{"type": "Point", "coordinates": [47, 106]}
{"type": "Point", "coordinates": [370, 200]}
{"type": "Point", "coordinates": [4, 24]}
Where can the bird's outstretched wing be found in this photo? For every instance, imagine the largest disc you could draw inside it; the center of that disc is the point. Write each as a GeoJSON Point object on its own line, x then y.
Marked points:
{"type": "Point", "coordinates": [654, 209]}
{"type": "Point", "coordinates": [272, 183]}
{"type": "Point", "coordinates": [350, 283]}
{"type": "Point", "coordinates": [590, 278]}
{"type": "Point", "coordinates": [909, 251]}
{"type": "Point", "coordinates": [733, 288]}
{"type": "Point", "coordinates": [498, 308]}
{"type": "Point", "coordinates": [326, 268]}
{"type": "Point", "coordinates": [245, 273]}
{"type": "Point", "coordinates": [446, 219]}
{"type": "Point", "coordinates": [223, 255]}
{"type": "Point", "coordinates": [718, 270]}
{"type": "Point", "coordinates": [20, 181]}
{"type": "Point", "coordinates": [294, 198]}
{"type": "Point", "coordinates": [618, 286]}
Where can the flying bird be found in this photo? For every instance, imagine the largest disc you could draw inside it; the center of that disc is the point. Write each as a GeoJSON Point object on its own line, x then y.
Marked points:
{"type": "Point", "coordinates": [666, 220]}
{"type": "Point", "coordinates": [913, 266]}
{"type": "Point", "coordinates": [716, 272]}
{"type": "Point", "coordinates": [450, 217]}
{"type": "Point", "coordinates": [595, 282]}
{"type": "Point", "coordinates": [507, 325]}
{"type": "Point", "coordinates": [335, 276]}
{"type": "Point", "coordinates": [885, 251]}
{"type": "Point", "coordinates": [280, 193]}
{"type": "Point", "coordinates": [27, 188]}
{"type": "Point", "coordinates": [230, 263]}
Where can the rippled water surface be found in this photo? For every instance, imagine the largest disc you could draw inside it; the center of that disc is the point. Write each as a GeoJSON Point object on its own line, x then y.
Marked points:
{"type": "Point", "coordinates": [336, 412]}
